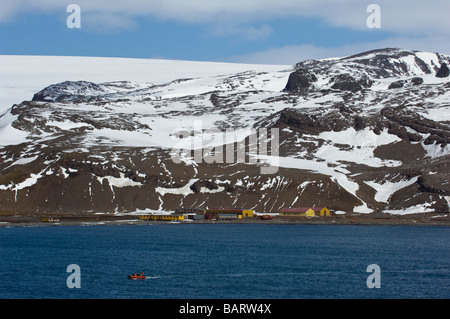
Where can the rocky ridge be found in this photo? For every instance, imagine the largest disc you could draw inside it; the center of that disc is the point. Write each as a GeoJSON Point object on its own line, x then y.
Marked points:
{"type": "Point", "coordinates": [364, 133]}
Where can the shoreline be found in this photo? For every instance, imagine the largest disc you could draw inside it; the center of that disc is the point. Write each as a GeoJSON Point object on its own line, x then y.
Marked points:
{"type": "Point", "coordinates": [374, 219]}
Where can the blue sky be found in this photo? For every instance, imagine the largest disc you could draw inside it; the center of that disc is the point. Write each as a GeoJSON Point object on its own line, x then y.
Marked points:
{"type": "Point", "coordinates": [283, 32]}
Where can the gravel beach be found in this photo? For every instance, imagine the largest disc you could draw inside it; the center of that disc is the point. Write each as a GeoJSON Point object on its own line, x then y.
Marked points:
{"type": "Point", "coordinates": [423, 219]}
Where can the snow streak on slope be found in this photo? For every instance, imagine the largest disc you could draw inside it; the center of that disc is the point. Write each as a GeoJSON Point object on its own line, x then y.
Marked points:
{"type": "Point", "coordinates": [8, 134]}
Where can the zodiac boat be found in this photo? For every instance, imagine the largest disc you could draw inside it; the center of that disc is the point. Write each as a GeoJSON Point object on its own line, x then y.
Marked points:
{"type": "Point", "coordinates": [137, 276]}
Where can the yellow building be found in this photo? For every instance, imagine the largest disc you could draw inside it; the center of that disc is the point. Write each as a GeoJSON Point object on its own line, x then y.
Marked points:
{"type": "Point", "coordinates": [305, 211]}
{"type": "Point", "coordinates": [247, 213]}
{"type": "Point", "coordinates": [170, 217]}
{"type": "Point", "coordinates": [244, 213]}
{"type": "Point", "coordinates": [310, 212]}
{"type": "Point", "coordinates": [50, 219]}
{"type": "Point", "coordinates": [323, 212]}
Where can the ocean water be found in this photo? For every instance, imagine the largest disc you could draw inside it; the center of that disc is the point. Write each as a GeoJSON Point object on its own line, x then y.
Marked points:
{"type": "Point", "coordinates": [225, 261]}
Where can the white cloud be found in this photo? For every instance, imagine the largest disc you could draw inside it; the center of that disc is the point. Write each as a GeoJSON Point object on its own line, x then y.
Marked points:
{"type": "Point", "coordinates": [413, 24]}
{"type": "Point", "coordinates": [296, 53]}
{"type": "Point", "coordinates": [104, 22]}
{"type": "Point", "coordinates": [251, 33]}
{"type": "Point", "coordinates": [405, 17]}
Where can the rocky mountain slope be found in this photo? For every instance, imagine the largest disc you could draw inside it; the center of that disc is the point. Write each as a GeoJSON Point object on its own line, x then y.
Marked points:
{"type": "Point", "coordinates": [364, 133]}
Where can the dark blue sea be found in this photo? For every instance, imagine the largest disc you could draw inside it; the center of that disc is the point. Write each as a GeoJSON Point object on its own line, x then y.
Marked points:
{"type": "Point", "coordinates": [223, 261]}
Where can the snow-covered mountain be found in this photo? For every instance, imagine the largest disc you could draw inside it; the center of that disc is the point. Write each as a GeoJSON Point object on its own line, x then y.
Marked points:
{"type": "Point", "coordinates": [364, 133]}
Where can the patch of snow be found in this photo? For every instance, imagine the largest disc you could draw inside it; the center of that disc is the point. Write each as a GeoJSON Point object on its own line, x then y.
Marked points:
{"type": "Point", "coordinates": [30, 181]}
{"type": "Point", "coordinates": [120, 182]}
{"type": "Point", "coordinates": [23, 161]}
{"type": "Point", "coordinates": [413, 68]}
{"type": "Point", "coordinates": [361, 146]}
{"type": "Point", "coordinates": [8, 134]}
{"type": "Point", "coordinates": [185, 190]}
{"type": "Point", "coordinates": [447, 198]}
{"type": "Point", "coordinates": [362, 209]}
{"type": "Point", "coordinates": [439, 216]}
{"type": "Point", "coordinates": [420, 208]}
{"type": "Point", "coordinates": [207, 190]}
{"type": "Point", "coordinates": [431, 59]}
{"type": "Point", "coordinates": [64, 172]}
{"type": "Point", "coordinates": [363, 138]}
{"type": "Point", "coordinates": [437, 114]}
{"type": "Point", "coordinates": [384, 191]}
{"type": "Point", "coordinates": [67, 125]}
{"type": "Point", "coordinates": [436, 150]}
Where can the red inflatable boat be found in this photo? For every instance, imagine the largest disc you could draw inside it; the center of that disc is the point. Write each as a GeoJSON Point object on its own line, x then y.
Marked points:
{"type": "Point", "coordinates": [137, 276]}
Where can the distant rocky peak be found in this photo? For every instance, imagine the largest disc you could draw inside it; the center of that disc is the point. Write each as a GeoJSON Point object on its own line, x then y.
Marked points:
{"type": "Point", "coordinates": [69, 90]}
{"type": "Point", "coordinates": [300, 81]}
{"type": "Point", "coordinates": [381, 63]}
